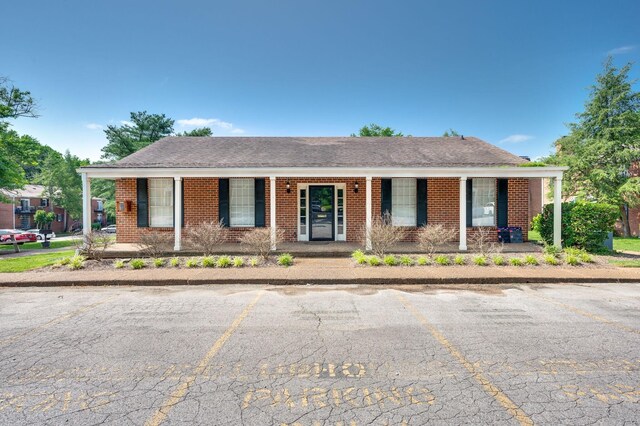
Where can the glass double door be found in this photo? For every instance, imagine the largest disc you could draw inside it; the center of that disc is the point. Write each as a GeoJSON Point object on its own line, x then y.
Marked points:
{"type": "Point", "coordinates": [322, 209]}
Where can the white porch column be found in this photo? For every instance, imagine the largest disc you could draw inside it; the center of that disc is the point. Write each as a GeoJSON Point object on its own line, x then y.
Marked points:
{"type": "Point", "coordinates": [368, 213]}
{"type": "Point", "coordinates": [177, 213]}
{"type": "Point", "coordinates": [272, 210]}
{"type": "Point", "coordinates": [557, 212]}
{"type": "Point", "coordinates": [463, 213]}
{"type": "Point", "coordinates": [86, 204]}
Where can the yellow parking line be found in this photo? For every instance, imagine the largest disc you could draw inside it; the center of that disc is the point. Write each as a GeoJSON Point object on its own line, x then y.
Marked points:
{"type": "Point", "coordinates": [54, 321]}
{"type": "Point", "coordinates": [475, 371]}
{"type": "Point", "coordinates": [162, 413]}
{"type": "Point", "coordinates": [585, 313]}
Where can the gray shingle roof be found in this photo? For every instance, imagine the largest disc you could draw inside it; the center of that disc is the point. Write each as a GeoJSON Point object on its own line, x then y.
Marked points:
{"type": "Point", "coordinates": [257, 152]}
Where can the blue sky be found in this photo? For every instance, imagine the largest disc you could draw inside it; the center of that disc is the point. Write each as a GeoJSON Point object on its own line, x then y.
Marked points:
{"type": "Point", "coordinates": [509, 72]}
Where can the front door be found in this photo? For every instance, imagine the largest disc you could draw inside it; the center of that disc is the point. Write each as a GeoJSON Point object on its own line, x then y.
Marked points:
{"type": "Point", "coordinates": [322, 213]}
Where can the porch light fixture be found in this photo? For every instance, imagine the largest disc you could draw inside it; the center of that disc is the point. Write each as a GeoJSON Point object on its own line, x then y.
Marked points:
{"type": "Point", "coordinates": [288, 187]}
{"type": "Point", "coordinates": [355, 187]}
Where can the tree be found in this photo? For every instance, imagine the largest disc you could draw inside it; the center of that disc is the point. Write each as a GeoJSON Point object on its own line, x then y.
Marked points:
{"type": "Point", "coordinates": [450, 133]}
{"type": "Point", "coordinates": [604, 143]}
{"type": "Point", "coordinates": [14, 102]}
{"type": "Point", "coordinates": [376, 130]}
{"type": "Point", "coordinates": [69, 196]}
{"type": "Point", "coordinates": [203, 131]}
{"type": "Point", "coordinates": [143, 130]}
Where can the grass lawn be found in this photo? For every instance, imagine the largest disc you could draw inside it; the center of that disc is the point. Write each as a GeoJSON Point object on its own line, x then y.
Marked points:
{"type": "Point", "coordinates": [628, 263]}
{"type": "Point", "coordinates": [626, 244]}
{"type": "Point", "coordinates": [28, 263]}
{"type": "Point", "coordinates": [38, 245]}
{"type": "Point", "coordinates": [534, 236]}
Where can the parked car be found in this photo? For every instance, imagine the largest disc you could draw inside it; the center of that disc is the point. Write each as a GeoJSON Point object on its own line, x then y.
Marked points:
{"type": "Point", "coordinates": [20, 236]}
{"type": "Point", "coordinates": [111, 229]}
{"type": "Point", "coordinates": [40, 236]}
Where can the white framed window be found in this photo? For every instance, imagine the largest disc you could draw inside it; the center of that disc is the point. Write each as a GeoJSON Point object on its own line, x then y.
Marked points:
{"type": "Point", "coordinates": [161, 202]}
{"type": "Point", "coordinates": [242, 207]}
{"type": "Point", "coordinates": [403, 201]}
{"type": "Point", "coordinates": [483, 202]}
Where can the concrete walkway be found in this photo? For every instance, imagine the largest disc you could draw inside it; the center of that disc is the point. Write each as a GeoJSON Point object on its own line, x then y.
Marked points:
{"type": "Point", "coordinates": [324, 271]}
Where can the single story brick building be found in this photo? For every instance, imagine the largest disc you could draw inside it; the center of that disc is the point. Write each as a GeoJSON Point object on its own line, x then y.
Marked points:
{"type": "Point", "coordinates": [319, 188]}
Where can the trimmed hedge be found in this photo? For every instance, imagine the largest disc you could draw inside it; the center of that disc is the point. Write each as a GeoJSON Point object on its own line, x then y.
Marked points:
{"type": "Point", "coordinates": [584, 225]}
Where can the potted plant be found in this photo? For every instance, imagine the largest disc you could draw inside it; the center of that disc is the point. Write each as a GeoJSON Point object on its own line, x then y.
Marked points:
{"type": "Point", "coordinates": [43, 222]}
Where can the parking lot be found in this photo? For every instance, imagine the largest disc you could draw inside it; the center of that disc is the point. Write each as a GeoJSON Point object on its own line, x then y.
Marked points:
{"type": "Point", "coordinates": [352, 355]}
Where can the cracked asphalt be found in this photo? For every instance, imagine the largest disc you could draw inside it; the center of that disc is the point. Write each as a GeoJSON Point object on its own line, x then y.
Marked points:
{"type": "Point", "coordinates": [343, 355]}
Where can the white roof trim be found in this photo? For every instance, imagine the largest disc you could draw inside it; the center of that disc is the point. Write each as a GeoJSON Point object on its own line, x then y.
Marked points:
{"type": "Point", "coordinates": [501, 172]}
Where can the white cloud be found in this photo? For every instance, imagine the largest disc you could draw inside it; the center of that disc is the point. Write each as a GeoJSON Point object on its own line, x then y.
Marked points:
{"type": "Point", "coordinates": [517, 138]}
{"type": "Point", "coordinates": [201, 122]}
{"type": "Point", "coordinates": [126, 123]}
{"type": "Point", "coordinates": [237, 131]}
{"type": "Point", "coordinates": [94, 126]}
{"type": "Point", "coordinates": [622, 50]}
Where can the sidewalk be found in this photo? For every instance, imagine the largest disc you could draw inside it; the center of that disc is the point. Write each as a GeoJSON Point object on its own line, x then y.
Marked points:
{"type": "Point", "coordinates": [323, 271]}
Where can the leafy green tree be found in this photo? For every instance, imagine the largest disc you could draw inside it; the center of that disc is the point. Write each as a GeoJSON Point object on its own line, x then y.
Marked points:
{"type": "Point", "coordinates": [376, 130]}
{"type": "Point", "coordinates": [143, 130]}
{"type": "Point", "coordinates": [450, 133]}
{"type": "Point", "coordinates": [69, 196]}
{"type": "Point", "coordinates": [604, 143]}
{"type": "Point", "coordinates": [203, 131]}
{"type": "Point", "coordinates": [43, 219]}
{"type": "Point", "coordinates": [14, 102]}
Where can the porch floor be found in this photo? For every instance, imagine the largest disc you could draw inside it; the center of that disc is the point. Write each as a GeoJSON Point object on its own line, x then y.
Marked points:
{"type": "Point", "coordinates": [314, 249]}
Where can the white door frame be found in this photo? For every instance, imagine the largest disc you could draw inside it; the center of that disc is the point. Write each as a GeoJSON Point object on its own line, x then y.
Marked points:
{"type": "Point", "coordinates": [336, 186]}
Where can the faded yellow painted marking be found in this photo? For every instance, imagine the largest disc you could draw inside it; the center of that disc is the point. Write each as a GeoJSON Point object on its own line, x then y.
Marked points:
{"type": "Point", "coordinates": [54, 321]}
{"type": "Point", "coordinates": [475, 371]}
{"type": "Point", "coordinates": [162, 413]}
{"type": "Point", "coordinates": [585, 313]}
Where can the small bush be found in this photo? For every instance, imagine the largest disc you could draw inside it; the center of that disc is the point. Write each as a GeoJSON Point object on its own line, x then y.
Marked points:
{"type": "Point", "coordinates": [572, 260]}
{"type": "Point", "coordinates": [459, 260]}
{"type": "Point", "coordinates": [208, 262]}
{"type": "Point", "coordinates": [499, 260]}
{"type": "Point", "coordinates": [137, 263]}
{"type": "Point", "coordinates": [357, 254]}
{"type": "Point", "coordinates": [390, 260]}
{"type": "Point", "coordinates": [155, 243]}
{"type": "Point", "coordinates": [94, 244]}
{"type": "Point", "coordinates": [482, 241]}
{"type": "Point", "coordinates": [118, 264]}
{"type": "Point", "coordinates": [258, 241]}
{"type": "Point", "coordinates": [76, 262]}
{"type": "Point", "coordinates": [552, 250]}
{"type": "Point", "coordinates": [406, 261]}
{"type": "Point", "coordinates": [383, 235]}
{"type": "Point", "coordinates": [159, 262]}
{"type": "Point", "coordinates": [175, 262]}
{"type": "Point", "coordinates": [254, 261]}
{"type": "Point", "coordinates": [422, 261]}
{"type": "Point", "coordinates": [64, 261]}
{"type": "Point", "coordinates": [586, 258]}
{"type": "Point", "coordinates": [430, 237]}
{"type": "Point", "coordinates": [238, 262]}
{"type": "Point", "coordinates": [516, 261]}
{"type": "Point", "coordinates": [192, 263]}
{"type": "Point", "coordinates": [223, 262]}
{"type": "Point", "coordinates": [362, 260]}
{"type": "Point", "coordinates": [550, 259]}
{"type": "Point", "coordinates": [206, 237]}
{"type": "Point", "coordinates": [373, 261]}
{"type": "Point", "coordinates": [530, 259]}
{"type": "Point", "coordinates": [480, 260]}
{"type": "Point", "coordinates": [285, 259]}
{"type": "Point", "coordinates": [442, 260]}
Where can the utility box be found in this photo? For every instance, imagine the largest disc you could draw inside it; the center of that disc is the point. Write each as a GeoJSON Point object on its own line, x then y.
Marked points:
{"type": "Point", "coordinates": [511, 234]}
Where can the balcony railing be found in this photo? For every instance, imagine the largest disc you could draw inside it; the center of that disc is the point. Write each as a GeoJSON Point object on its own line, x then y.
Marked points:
{"type": "Point", "coordinates": [25, 210]}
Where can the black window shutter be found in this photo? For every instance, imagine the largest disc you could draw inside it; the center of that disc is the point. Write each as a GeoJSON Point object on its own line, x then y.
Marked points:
{"type": "Point", "coordinates": [182, 193]}
{"type": "Point", "coordinates": [259, 203]}
{"type": "Point", "coordinates": [503, 203]}
{"type": "Point", "coordinates": [469, 203]}
{"type": "Point", "coordinates": [142, 202]}
{"type": "Point", "coordinates": [223, 201]}
{"type": "Point", "coordinates": [421, 202]}
{"type": "Point", "coordinates": [385, 196]}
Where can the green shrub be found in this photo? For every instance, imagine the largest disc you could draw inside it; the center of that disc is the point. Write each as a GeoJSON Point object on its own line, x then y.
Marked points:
{"type": "Point", "coordinates": [137, 263]}
{"type": "Point", "coordinates": [536, 222]}
{"type": "Point", "coordinates": [159, 262]}
{"type": "Point", "coordinates": [406, 260]}
{"type": "Point", "coordinates": [208, 262]}
{"type": "Point", "coordinates": [254, 261]}
{"type": "Point", "coordinates": [530, 259]}
{"type": "Point", "coordinates": [422, 261]}
{"type": "Point", "coordinates": [285, 259]}
{"type": "Point", "coordinates": [390, 260]}
{"type": "Point", "coordinates": [65, 260]}
{"type": "Point", "coordinates": [584, 224]}
{"type": "Point", "coordinates": [499, 260]}
{"type": "Point", "coordinates": [192, 263]}
{"type": "Point", "coordinates": [118, 264]}
{"type": "Point", "coordinates": [586, 258]}
{"type": "Point", "coordinates": [572, 260]}
{"type": "Point", "coordinates": [223, 262]}
{"type": "Point", "coordinates": [516, 261]}
{"type": "Point", "coordinates": [373, 260]}
{"type": "Point", "coordinates": [175, 262]}
{"type": "Point", "coordinates": [551, 250]}
{"type": "Point", "coordinates": [76, 262]}
{"type": "Point", "coordinates": [443, 260]}
{"type": "Point", "coordinates": [362, 260]}
{"type": "Point", "coordinates": [459, 260]}
{"type": "Point", "coordinates": [550, 259]}
{"type": "Point", "coordinates": [480, 261]}
{"type": "Point", "coordinates": [357, 254]}
{"type": "Point", "coordinates": [238, 262]}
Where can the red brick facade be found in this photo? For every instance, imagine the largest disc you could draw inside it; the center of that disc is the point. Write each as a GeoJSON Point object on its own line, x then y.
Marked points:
{"type": "Point", "coordinates": [201, 204]}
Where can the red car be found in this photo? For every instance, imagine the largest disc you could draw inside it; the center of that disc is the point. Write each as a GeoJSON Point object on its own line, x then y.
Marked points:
{"type": "Point", "coordinates": [20, 236]}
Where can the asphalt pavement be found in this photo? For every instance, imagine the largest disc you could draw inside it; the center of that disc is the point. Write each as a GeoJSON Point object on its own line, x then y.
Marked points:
{"type": "Point", "coordinates": [321, 355]}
